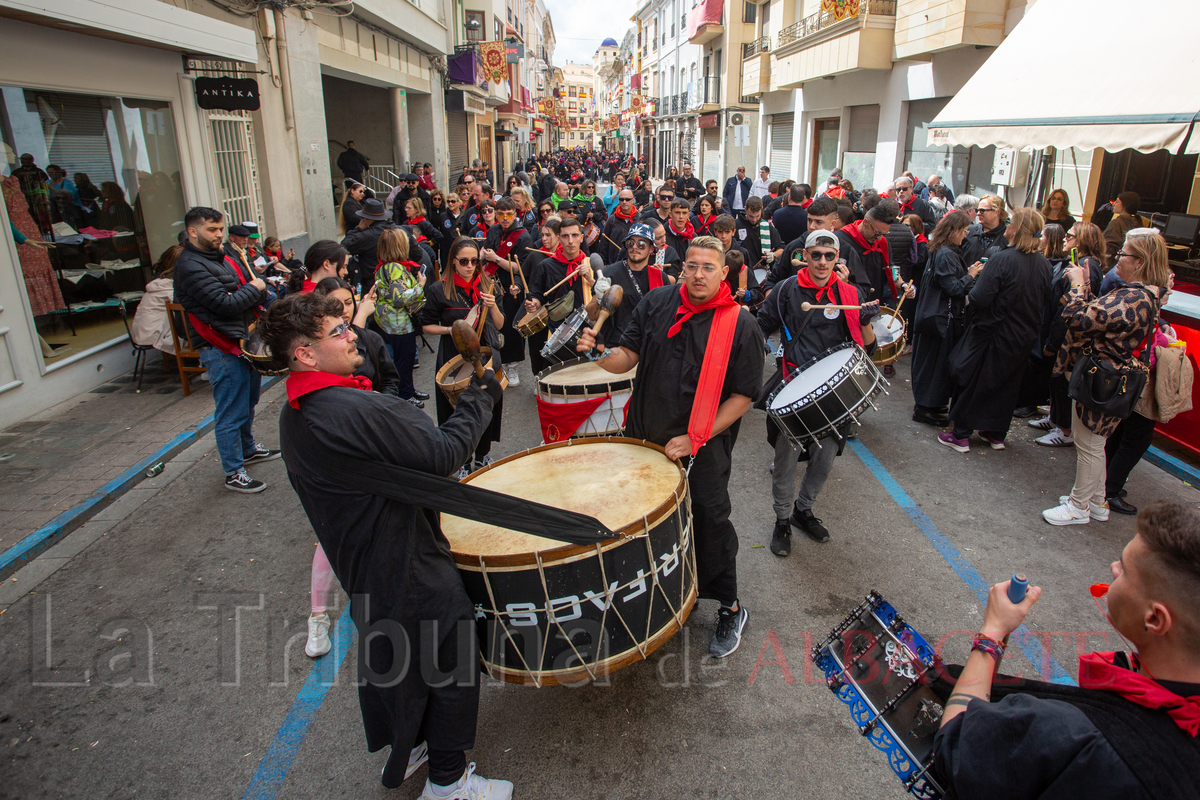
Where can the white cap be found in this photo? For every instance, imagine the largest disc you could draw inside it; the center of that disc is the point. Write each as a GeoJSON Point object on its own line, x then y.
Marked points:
{"type": "Point", "coordinates": [822, 237]}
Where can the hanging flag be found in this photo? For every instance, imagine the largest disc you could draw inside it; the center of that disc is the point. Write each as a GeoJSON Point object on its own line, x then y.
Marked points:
{"type": "Point", "coordinates": [495, 61]}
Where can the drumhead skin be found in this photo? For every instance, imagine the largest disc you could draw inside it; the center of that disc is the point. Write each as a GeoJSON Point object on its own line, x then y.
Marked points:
{"type": "Point", "coordinates": [812, 378]}
{"type": "Point", "coordinates": [583, 373]}
{"type": "Point", "coordinates": [581, 477]}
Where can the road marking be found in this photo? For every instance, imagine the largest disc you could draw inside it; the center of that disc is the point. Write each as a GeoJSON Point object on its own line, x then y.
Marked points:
{"type": "Point", "coordinates": [273, 769]}
{"type": "Point", "coordinates": [1173, 466]}
{"type": "Point", "coordinates": [1049, 667]}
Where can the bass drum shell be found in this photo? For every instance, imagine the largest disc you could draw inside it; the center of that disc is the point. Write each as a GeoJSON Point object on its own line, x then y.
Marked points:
{"type": "Point", "coordinates": [891, 335]}
{"type": "Point", "coordinates": [832, 405]}
{"type": "Point", "coordinates": [549, 613]}
{"type": "Point", "coordinates": [579, 380]}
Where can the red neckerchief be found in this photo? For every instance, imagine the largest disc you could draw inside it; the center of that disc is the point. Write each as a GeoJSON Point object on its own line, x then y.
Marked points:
{"type": "Point", "coordinates": [483, 226]}
{"type": "Point", "coordinates": [657, 278]}
{"type": "Point", "coordinates": [843, 293]}
{"type": "Point", "coordinates": [880, 245]}
{"type": "Point", "coordinates": [705, 222]}
{"type": "Point", "coordinates": [308, 286]}
{"type": "Point", "coordinates": [907, 208]}
{"type": "Point", "coordinates": [617, 213]}
{"type": "Point", "coordinates": [571, 265]}
{"type": "Point", "coordinates": [716, 358]}
{"type": "Point", "coordinates": [687, 233]}
{"type": "Point", "coordinates": [415, 220]}
{"type": "Point", "coordinates": [920, 237]}
{"type": "Point", "coordinates": [302, 383]}
{"type": "Point", "coordinates": [470, 287]}
{"type": "Point", "coordinates": [1098, 671]}
{"type": "Point", "coordinates": [806, 203]}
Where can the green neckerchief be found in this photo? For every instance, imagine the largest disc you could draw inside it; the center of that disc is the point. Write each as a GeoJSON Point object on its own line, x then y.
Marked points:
{"type": "Point", "coordinates": [555, 200]}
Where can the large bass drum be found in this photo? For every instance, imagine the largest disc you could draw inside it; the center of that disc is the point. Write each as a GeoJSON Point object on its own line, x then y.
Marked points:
{"type": "Point", "coordinates": [825, 396]}
{"type": "Point", "coordinates": [550, 613]}
{"type": "Point", "coordinates": [583, 381]}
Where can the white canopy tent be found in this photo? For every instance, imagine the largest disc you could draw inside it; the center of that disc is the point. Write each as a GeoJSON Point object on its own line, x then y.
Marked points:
{"type": "Point", "coordinates": [1128, 81]}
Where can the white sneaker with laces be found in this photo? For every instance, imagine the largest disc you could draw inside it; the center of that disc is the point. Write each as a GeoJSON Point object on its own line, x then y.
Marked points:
{"type": "Point", "coordinates": [318, 635]}
{"type": "Point", "coordinates": [1095, 511]}
{"type": "Point", "coordinates": [510, 372]}
{"type": "Point", "coordinates": [1056, 438]}
{"type": "Point", "coordinates": [1066, 514]}
{"type": "Point", "coordinates": [462, 473]}
{"type": "Point", "coordinates": [469, 787]}
{"type": "Point", "coordinates": [1041, 423]}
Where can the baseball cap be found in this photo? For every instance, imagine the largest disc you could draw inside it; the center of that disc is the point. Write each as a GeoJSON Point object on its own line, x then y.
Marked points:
{"type": "Point", "coordinates": [641, 230]}
{"type": "Point", "coordinates": [822, 237]}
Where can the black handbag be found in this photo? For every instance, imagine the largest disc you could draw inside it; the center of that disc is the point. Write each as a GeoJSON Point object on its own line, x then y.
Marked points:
{"type": "Point", "coordinates": [1109, 389]}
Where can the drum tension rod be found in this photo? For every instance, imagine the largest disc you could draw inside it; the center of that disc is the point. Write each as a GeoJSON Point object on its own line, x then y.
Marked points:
{"type": "Point", "coordinates": [912, 779]}
{"type": "Point", "coordinates": [889, 705]}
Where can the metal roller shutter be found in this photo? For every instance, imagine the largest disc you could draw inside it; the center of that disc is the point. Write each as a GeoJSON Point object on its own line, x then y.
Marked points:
{"type": "Point", "coordinates": [780, 160]}
{"type": "Point", "coordinates": [456, 134]}
{"type": "Point", "coordinates": [78, 140]}
{"type": "Point", "coordinates": [711, 165]}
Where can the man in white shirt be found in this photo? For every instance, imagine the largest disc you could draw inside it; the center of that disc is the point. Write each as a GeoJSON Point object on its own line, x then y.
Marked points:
{"type": "Point", "coordinates": [761, 187]}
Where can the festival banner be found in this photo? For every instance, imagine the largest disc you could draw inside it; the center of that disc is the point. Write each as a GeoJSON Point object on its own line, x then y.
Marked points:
{"type": "Point", "coordinates": [495, 61]}
{"type": "Point", "coordinates": [841, 9]}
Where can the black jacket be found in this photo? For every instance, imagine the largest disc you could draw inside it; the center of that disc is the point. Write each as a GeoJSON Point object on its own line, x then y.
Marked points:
{"type": "Point", "coordinates": [923, 210]}
{"type": "Point", "coordinates": [730, 189]}
{"type": "Point", "coordinates": [979, 243]}
{"type": "Point", "coordinates": [399, 215]}
{"type": "Point", "coordinates": [352, 164]}
{"type": "Point", "coordinates": [900, 244]}
{"type": "Point", "coordinates": [689, 189]}
{"type": "Point", "coordinates": [208, 286]}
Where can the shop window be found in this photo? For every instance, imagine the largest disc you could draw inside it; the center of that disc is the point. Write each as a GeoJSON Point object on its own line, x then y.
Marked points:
{"type": "Point", "coordinates": [99, 177]}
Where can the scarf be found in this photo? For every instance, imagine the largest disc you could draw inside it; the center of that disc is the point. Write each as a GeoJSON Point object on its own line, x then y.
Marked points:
{"type": "Point", "coordinates": [705, 222]}
{"type": "Point", "coordinates": [842, 293]}
{"type": "Point", "coordinates": [1098, 671]}
{"type": "Point", "coordinates": [688, 232]}
{"type": "Point", "coordinates": [880, 245]}
{"type": "Point", "coordinates": [716, 358]}
{"type": "Point", "coordinates": [470, 287]}
{"type": "Point", "coordinates": [483, 226]}
{"type": "Point", "coordinates": [627, 218]}
{"type": "Point", "coordinates": [764, 236]}
{"type": "Point", "coordinates": [571, 265]}
{"type": "Point", "coordinates": [415, 220]}
{"type": "Point", "coordinates": [907, 208]}
{"type": "Point", "coordinates": [920, 237]}
{"type": "Point", "coordinates": [555, 200]}
{"type": "Point", "coordinates": [302, 383]}
{"type": "Point", "coordinates": [806, 203]}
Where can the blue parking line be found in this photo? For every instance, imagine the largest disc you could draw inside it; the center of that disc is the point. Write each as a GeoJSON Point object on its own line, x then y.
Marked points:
{"type": "Point", "coordinates": [1173, 466]}
{"type": "Point", "coordinates": [273, 769]}
{"type": "Point", "coordinates": [1032, 646]}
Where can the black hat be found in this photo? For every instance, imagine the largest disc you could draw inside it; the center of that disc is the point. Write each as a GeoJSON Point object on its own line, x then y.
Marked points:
{"type": "Point", "coordinates": [372, 209]}
{"type": "Point", "coordinates": [239, 230]}
{"type": "Point", "coordinates": [408, 176]}
{"type": "Point", "coordinates": [567, 205]}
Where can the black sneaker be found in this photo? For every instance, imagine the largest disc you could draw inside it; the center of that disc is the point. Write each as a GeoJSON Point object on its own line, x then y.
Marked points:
{"type": "Point", "coordinates": [421, 395]}
{"type": "Point", "coordinates": [728, 634]}
{"type": "Point", "coordinates": [260, 454]}
{"type": "Point", "coordinates": [1024, 411]}
{"type": "Point", "coordinates": [240, 481]}
{"type": "Point", "coordinates": [807, 522]}
{"type": "Point", "coordinates": [781, 538]}
{"type": "Point", "coordinates": [418, 403]}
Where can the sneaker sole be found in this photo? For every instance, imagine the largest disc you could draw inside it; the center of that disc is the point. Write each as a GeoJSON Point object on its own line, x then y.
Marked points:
{"type": "Point", "coordinates": [262, 459]}
{"type": "Point", "coordinates": [1054, 444]}
{"type": "Point", "coordinates": [1092, 514]}
{"type": "Point", "coordinates": [243, 490]}
{"type": "Point", "coordinates": [310, 654]}
{"type": "Point", "coordinates": [1061, 522]}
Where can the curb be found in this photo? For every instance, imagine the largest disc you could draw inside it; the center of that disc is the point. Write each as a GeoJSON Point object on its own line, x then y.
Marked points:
{"type": "Point", "coordinates": [23, 552]}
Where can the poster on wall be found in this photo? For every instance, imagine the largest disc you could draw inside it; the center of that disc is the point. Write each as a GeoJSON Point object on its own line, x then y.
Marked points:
{"type": "Point", "coordinates": [227, 94]}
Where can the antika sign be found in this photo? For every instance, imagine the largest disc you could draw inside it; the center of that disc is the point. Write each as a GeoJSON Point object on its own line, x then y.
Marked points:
{"type": "Point", "coordinates": [227, 94]}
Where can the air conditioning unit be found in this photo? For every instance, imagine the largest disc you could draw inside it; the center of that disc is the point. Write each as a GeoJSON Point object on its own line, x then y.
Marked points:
{"type": "Point", "coordinates": [736, 118]}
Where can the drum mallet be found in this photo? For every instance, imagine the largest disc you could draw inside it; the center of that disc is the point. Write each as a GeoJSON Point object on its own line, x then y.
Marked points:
{"type": "Point", "coordinates": [806, 306]}
{"type": "Point", "coordinates": [608, 304]}
{"type": "Point", "coordinates": [467, 342]}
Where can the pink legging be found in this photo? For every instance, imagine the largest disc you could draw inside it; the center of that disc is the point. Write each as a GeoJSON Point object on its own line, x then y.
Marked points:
{"type": "Point", "coordinates": [322, 581]}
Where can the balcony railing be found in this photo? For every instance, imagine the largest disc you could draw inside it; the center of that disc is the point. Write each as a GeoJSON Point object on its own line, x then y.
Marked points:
{"type": "Point", "coordinates": [710, 90]}
{"type": "Point", "coordinates": [760, 45]}
{"type": "Point", "coordinates": [814, 23]}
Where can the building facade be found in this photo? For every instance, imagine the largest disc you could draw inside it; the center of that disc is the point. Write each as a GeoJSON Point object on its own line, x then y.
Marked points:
{"type": "Point", "coordinates": [580, 101]}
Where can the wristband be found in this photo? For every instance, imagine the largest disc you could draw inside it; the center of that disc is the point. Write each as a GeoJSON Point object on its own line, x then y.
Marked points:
{"type": "Point", "coordinates": [988, 645]}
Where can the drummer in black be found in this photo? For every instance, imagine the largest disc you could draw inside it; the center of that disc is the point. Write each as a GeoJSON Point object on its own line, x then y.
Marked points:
{"type": "Point", "coordinates": [533, 270]}
{"type": "Point", "coordinates": [462, 288]}
{"type": "Point", "coordinates": [699, 361]}
{"type": "Point", "coordinates": [807, 335]}
{"type": "Point", "coordinates": [636, 276]}
{"type": "Point", "coordinates": [506, 245]}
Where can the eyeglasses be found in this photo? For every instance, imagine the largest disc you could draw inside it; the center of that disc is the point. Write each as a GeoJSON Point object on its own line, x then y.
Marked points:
{"type": "Point", "coordinates": [337, 332]}
{"type": "Point", "coordinates": [1123, 254]}
{"type": "Point", "coordinates": [822, 256]}
{"type": "Point", "coordinates": [467, 262]}
{"type": "Point", "coordinates": [636, 244]}
{"type": "Point", "coordinates": [506, 215]}
{"type": "Point", "coordinates": [625, 199]}
{"type": "Point", "coordinates": [692, 269]}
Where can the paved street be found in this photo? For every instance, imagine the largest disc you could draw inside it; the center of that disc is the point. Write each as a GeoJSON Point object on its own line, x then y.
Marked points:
{"type": "Point", "coordinates": [165, 657]}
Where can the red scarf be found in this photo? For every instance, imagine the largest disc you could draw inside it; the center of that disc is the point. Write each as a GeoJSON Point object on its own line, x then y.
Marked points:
{"type": "Point", "coordinates": [483, 226]}
{"type": "Point", "coordinates": [307, 287]}
{"type": "Point", "coordinates": [842, 293]}
{"type": "Point", "coordinates": [415, 220]}
{"type": "Point", "coordinates": [571, 265]}
{"type": "Point", "coordinates": [632, 213]}
{"type": "Point", "coordinates": [920, 237]}
{"type": "Point", "coordinates": [1098, 671]}
{"type": "Point", "coordinates": [301, 383]}
{"type": "Point", "coordinates": [716, 358]}
{"type": "Point", "coordinates": [656, 277]}
{"type": "Point", "coordinates": [880, 245]}
{"type": "Point", "coordinates": [705, 222]}
{"type": "Point", "coordinates": [806, 203]}
{"type": "Point", "coordinates": [470, 287]}
{"type": "Point", "coordinates": [907, 208]}
{"type": "Point", "coordinates": [687, 233]}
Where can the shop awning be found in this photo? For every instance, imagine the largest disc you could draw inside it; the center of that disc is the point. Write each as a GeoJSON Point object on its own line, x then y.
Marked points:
{"type": "Point", "coordinates": [1104, 94]}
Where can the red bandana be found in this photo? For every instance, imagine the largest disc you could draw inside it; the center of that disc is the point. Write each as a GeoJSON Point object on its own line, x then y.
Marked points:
{"type": "Point", "coordinates": [920, 237]}
{"type": "Point", "coordinates": [302, 383]}
{"type": "Point", "coordinates": [628, 218]}
{"type": "Point", "coordinates": [415, 220]}
{"type": "Point", "coordinates": [571, 265]}
{"type": "Point", "coordinates": [806, 203]}
{"type": "Point", "coordinates": [470, 287]}
{"type": "Point", "coordinates": [716, 358]}
{"type": "Point", "coordinates": [880, 245]}
{"type": "Point", "coordinates": [483, 226]}
{"type": "Point", "coordinates": [688, 233]}
{"type": "Point", "coordinates": [705, 222]}
{"type": "Point", "coordinates": [1098, 671]}
{"type": "Point", "coordinates": [842, 293]}
{"type": "Point", "coordinates": [907, 208]}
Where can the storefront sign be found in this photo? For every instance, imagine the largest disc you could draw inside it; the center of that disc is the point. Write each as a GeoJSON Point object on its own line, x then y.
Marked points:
{"type": "Point", "coordinates": [474, 105]}
{"type": "Point", "coordinates": [227, 94]}
{"type": "Point", "coordinates": [707, 121]}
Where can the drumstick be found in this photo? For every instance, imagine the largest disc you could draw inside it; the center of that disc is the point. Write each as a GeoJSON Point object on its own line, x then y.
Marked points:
{"type": "Point", "coordinates": [536, 250]}
{"type": "Point", "coordinates": [560, 283]}
{"type": "Point", "coordinates": [810, 306]}
{"type": "Point", "coordinates": [467, 342]}
{"type": "Point", "coordinates": [610, 241]}
{"type": "Point", "coordinates": [903, 297]}
{"type": "Point", "coordinates": [521, 272]}
{"type": "Point", "coordinates": [742, 280]}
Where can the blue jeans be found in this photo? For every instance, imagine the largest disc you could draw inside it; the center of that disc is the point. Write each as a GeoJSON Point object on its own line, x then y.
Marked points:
{"type": "Point", "coordinates": [235, 389]}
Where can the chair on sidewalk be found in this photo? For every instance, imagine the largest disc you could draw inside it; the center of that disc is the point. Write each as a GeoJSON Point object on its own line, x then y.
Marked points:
{"type": "Point", "coordinates": [139, 350]}
{"type": "Point", "coordinates": [175, 315]}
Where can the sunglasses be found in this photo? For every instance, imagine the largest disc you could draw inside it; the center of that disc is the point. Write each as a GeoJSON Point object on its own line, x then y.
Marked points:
{"type": "Point", "coordinates": [823, 256]}
{"type": "Point", "coordinates": [506, 215]}
{"type": "Point", "coordinates": [467, 262]}
{"type": "Point", "coordinates": [337, 332]}
{"type": "Point", "coordinates": [636, 244]}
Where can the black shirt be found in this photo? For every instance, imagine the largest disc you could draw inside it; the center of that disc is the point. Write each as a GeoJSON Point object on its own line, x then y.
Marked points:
{"type": "Point", "coordinates": [747, 235]}
{"type": "Point", "coordinates": [826, 328]}
{"type": "Point", "coordinates": [791, 222]}
{"type": "Point", "coordinates": [636, 285]}
{"type": "Point", "coordinates": [669, 369]}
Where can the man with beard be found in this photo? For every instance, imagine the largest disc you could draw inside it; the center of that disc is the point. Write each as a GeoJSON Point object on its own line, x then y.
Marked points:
{"type": "Point", "coordinates": [866, 238]}
{"type": "Point", "coordinates": [409, 188]}
{"type": "Point", "coordinates": [822, 216]}
{"type": "Point", "coordinates": [661, 208]}
{"type": "Point", "coordinates": [636, 276]}
{"type": "Point", "coordinates": [911, 203]}
{"type": "Point", "coordinates": [507, 244]}
{"type": "Point", "coordinates": [699, 363]}
{"type": "Point", "coordinates": [618, 225]}
{"type": "Point", "coordinates": [757, 236]}
{"type": "Point", "coordinates": [689, 187]}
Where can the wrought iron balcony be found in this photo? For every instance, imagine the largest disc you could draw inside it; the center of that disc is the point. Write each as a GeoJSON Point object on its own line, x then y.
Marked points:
{"type": "Point", "coordinates": [759, 45]}
{"type": "Point", "coordinates": [815, 23]}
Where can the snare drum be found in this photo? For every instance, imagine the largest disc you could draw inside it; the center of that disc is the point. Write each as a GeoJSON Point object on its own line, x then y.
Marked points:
{"type": "Point", "coordinates": [583, 382]}
{"type": "Point", "coordinates": [881, 668]}
{"type": "Point", "coordinates": [255, 351]}
{"type": "Point", "coordinates": [560, 347]}
{"type": "Point", "coordinates": [550, 613]}
{"type": "Point", "coordinates": [530, 324]}
{"type": "Point", "coordinates": [890, 336]}
{"type": "Point", "coordinates": [825, 395]}
{"type": "Point", "coordinates": [455, 375]}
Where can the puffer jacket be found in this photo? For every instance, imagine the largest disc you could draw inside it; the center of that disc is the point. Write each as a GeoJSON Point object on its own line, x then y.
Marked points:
{"type": "Point", "coordinates": [208, 286]}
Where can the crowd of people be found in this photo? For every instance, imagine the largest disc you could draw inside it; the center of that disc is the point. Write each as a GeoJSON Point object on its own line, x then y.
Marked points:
{"type": "Point", "coordinates": [1008, 304]}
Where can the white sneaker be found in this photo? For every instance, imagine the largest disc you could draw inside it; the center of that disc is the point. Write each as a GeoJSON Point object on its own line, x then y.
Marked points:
{"type": "Point", "coordinates": [418, 756]}
{"type": "Point", "coordinates": [462, 473]}
{"type": "Point", "coordinates": [1056, 438]}
{"type": "Point", "coordinates": [318, 635]}
{"type": "Point", "coordinates": [1041, 423]}
{"type": "Point", "coordinates": [510, 372]}
{"type": "Point", "coordinates": [471, 787]}
{"type": "Point", "coordinates": [1096, 512]}
{"type": "Point", "coordinates": [1066, 514]}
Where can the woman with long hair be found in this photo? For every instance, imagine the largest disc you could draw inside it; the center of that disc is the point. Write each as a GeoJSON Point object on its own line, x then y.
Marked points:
{"type": "Point", "coordinates": [1057, 209]}
{"type": "Point", "coordinates": [987, 364]}
{"type": "Point", "coordinates": [941, 304]}
{"type": "Point", "coordinates": [1035, 386]}
{"type": "Point", "coordinates": [643, 193]}
{"type": "Point", "coordinates": [424, 229]}
{"type": "Point", "coordinates": [150, 324]}
{"type": "Point", "coordinates": [1112, 328]}
{"type": "Point", "coordinates": [399, 285]}
{"type": "Point", "coordinates": [511, 184]}
{"type": "Point", "coordinates": [706, 215]}
{"type": "Point", "coordinates": [324, 259]}
{"type": "Point", "coordinates": [461, 288]}
{"type": "Point", "coordinates": [351, 205]}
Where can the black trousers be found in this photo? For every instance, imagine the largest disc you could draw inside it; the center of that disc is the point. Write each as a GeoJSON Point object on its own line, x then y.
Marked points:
{"type": "Point", "coordinates": [513, 351]}
{"type": "Point", "coordinates": [716, 540]}
{"type": "Point", "coordinates": [1124, 449]}
{"type": "Point", "coordinates": [1060, 402]}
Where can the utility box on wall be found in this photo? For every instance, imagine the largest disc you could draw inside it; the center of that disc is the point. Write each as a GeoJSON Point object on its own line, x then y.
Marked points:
{"type": "Point", "coordinates": [1010, 167]}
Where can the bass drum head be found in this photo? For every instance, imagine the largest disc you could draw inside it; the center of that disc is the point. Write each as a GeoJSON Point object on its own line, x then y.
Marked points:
{"type": "Point", "coordinates": [801, 384]}
{"type": "Point", "coordinates": [579, 378]}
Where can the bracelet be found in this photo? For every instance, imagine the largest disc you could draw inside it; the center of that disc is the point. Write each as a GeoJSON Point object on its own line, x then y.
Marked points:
{"type": "Point", "coordinates": [988, 645]}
